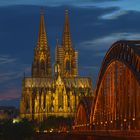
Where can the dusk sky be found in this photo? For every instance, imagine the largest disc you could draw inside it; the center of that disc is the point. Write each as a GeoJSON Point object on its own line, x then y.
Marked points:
{"type": "Point", "coordinates": [94, 25]}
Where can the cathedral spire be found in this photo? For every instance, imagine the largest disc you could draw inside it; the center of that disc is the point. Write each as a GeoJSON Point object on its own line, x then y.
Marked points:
{"type": "Point", "coordinates": [66, 38]}
{"type": "Point", "coordinates": [41, 66]}
{"type": "Point", "coordinates": [42, 37]}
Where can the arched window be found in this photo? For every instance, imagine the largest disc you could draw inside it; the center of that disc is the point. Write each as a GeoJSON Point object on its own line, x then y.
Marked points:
{"type": "Point", "coordinates": [68, 65]}
{"type": "Point", "coordinates": [42, 65]}
{"type": "Point", "coordinates": [27, 105]}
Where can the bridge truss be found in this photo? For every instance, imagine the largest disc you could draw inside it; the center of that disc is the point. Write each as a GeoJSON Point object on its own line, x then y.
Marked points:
{"type": "Point", "coordinates": [116, 101]}
{"type": "Point", "coordinates": [116, 105]}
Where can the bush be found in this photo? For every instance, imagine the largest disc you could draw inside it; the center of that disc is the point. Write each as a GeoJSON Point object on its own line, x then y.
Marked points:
{"type": "Point", "coordinates": [18, 131]}
{"type": "Point", "coordinates": [53, 122]}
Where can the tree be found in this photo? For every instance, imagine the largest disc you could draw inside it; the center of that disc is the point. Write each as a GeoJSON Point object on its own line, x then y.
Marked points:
{"type": "Point", "coordinates": [17, 131]}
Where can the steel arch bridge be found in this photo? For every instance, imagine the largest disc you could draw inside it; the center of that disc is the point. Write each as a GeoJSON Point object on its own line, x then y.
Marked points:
{"type": "Point", "coordinates": [82, 117]}
{"type": "Point", "coordinates": [116, 105]}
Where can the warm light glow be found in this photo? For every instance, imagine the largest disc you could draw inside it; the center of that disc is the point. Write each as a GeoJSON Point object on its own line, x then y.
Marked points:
{"type": "Point", "coordinates": [133, 119]}
{"type": "Point", "coordinates": [45, 131]}
{"type": "Point", "coordinates": [16, 120]}
{"type": "Point", "coordinates": [124, 120]}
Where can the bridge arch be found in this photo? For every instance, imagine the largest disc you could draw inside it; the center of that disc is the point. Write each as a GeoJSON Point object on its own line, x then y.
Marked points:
{"type": "Point", "coordinates": [82, 115]}
{"type": "Point", "coordinates": [117, 94]}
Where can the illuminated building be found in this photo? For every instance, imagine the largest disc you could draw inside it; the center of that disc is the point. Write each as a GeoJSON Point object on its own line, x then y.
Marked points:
{"type": "Point", "coordinates": [8, 112]}
{"type": "Point", "coordinates": [46, 94]}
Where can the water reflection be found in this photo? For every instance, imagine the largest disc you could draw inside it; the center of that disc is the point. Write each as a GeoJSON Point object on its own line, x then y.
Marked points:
{"type": "Point", "coordinates": [72, 137]}
{"type": "Point", "coordinates": [76, 137]}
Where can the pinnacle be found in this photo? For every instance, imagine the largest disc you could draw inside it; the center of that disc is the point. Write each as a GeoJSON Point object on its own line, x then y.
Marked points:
{"type": "Point", "coordinates": [42, 37]}
{"type": "Point", "coordinates": [66, 38]}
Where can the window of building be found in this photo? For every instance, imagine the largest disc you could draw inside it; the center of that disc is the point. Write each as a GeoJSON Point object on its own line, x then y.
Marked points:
{"type": "Point", "coordinates": [68, 65]}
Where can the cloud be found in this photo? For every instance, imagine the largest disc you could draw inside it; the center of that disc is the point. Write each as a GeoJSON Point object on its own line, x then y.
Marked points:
{"type": "Point", "coordinates": [114, 15]}
{"type": "Point", "coordinates": [50, 2]}
{"type": "Point", "coordinates": [10, 94]}
{"type": "Point", "coordinates": [126, 5]}
{"type": "Point", "coordinates": [11, 68]}
{"type": "Point", "coordinates": [123, 4]}
{"type": "Point", "coordinates": [10, 82]}
{"type": "Point", "coordinates": [6, 76]}
{"type": "Point", "coordinates": [104, 43]}
{"type": "Point", "coordinates": [6, 59]}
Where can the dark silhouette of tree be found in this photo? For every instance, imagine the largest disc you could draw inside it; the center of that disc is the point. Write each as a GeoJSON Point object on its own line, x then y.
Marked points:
{"type": "Point", "coordinates": [17, 131]}
{"type": "Point", "coordinates": [53, 122]}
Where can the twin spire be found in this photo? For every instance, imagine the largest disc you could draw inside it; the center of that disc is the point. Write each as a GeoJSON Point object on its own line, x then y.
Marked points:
{"type": "Point", "coordinates": [42, 37]}
{"type": "Point", "coordinates": [42, 59]}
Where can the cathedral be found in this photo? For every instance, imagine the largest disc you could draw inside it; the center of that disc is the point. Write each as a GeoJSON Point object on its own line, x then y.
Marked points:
{"type": "Point", "coordinates": [53, 91]}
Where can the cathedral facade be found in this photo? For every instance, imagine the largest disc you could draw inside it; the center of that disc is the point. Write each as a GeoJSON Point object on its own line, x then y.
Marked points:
{"type": "Point", "coordinates": [57, 91]}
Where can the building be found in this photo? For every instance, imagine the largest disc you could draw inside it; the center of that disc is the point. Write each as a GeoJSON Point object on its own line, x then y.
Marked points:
{"type": "Point", "coordinates": [8, 113]}
{"type": "Point", "coordinates": [53, 92]}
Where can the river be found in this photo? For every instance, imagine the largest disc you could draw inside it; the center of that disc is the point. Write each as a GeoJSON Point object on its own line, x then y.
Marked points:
{"type": "Point", "coordinates": [67, 136]}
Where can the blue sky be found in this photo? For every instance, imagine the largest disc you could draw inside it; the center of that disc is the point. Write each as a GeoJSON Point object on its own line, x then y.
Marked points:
{"type": "Point", "coordinates": [94, 24]}
{"type": "Point", "coordinates": [123, 4]}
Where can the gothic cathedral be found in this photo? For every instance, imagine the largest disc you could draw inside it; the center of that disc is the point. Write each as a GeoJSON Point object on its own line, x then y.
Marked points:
{"type": "Point", "coordinates": [53, 92]}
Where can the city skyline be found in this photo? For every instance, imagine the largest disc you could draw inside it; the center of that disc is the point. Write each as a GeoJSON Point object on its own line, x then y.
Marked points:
{"type": "Point", "coordinates": [94, 28]}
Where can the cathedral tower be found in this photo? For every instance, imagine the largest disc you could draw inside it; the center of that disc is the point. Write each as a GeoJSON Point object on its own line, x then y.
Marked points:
{"type": "Point", "coordinates": [41, 66]}
{"type": "Point", "coordinates": [66, 56]}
